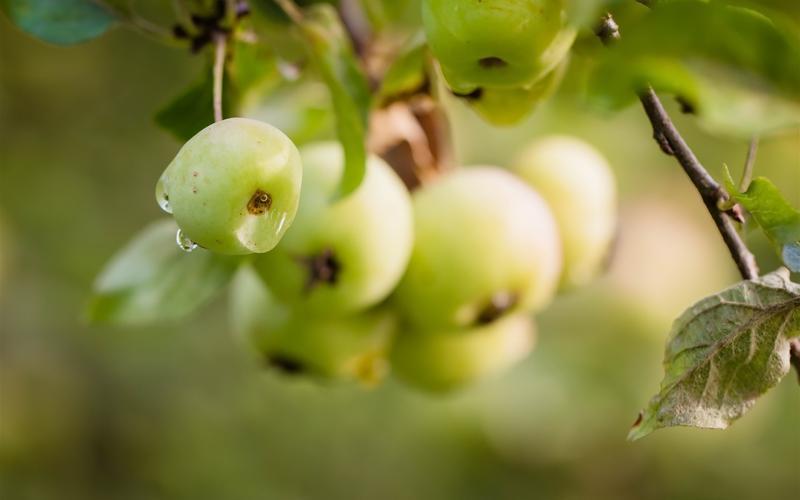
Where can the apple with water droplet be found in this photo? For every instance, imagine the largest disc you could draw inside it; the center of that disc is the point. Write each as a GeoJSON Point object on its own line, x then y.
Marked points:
{"type": "Point", "coordinates": [234, 187]}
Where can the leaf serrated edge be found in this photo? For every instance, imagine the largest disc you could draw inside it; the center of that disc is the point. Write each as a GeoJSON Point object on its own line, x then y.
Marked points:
{"type": "Point", "coordinates": [647, 422]}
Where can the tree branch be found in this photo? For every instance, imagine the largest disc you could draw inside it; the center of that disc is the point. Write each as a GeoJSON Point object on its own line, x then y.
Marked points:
{"type": "Point", "coordinates": [672, 143]}
{"type": "Point", "coordinates": [710, 191]}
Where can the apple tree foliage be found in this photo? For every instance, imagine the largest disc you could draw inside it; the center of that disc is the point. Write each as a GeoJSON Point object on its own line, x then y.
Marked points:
{"type": "Point", "coordinates": [734, 65]}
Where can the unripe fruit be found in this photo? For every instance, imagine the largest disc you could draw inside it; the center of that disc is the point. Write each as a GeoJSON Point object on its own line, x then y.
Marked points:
{"type": "Point", "coordinates": [579, 186]}
{"type": "Point", "coordinates": [345, 348]}
{"type": "Point", "coordinates": [507, 106]}
{"type": "Point", "coordinates": [234, 187]}
{"type": "Point", "coordinates": [496, 43]}
{"type": "Point", "coordinates": [443, 361]}
{"type": "Point", "coordinates": [486, 244]}
{"type": "Point", "coordinates": [341, 255]}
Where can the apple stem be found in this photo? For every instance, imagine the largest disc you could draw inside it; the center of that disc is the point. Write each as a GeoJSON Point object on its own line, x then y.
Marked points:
{"type": "Point", "coordinates": [220, 42]}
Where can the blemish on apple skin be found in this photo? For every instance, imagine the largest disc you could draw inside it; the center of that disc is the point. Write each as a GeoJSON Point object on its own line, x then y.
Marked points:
{"type": "Point", "coordinates": [323, 268]}
{"type": "Point", "coordinates": [195, 174]}
{"type": "Point", "coordinates": [472, 96]}
{"type": "Point", "coordinates": [259, 203]}
{"type": "Point", "coordinates": [492, 62]}
{"type": "Point", "coordinates": [498, 305]}
{"type": "Point", "coordinates": [285, 364]}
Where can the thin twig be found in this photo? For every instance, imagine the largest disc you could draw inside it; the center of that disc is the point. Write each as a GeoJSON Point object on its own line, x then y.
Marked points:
{"type": "Point", "coordinates": [220, 42]}
{"type": "Point", "coordinates": [672, 143]}
{"type": "Point", "coordinates": [747, 174]}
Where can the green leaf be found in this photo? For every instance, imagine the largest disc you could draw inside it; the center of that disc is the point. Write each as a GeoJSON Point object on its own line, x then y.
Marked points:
{"type": "Point", "coordinates": [151, 279]}
{"type": "Point", "coordinates": [723, 353]}
{"type": "Point", "coordinates": [779, 220]}
{"type": "Point", "coordinates": [737, 68]}
{"type": "Point", "coordinates": [336, 61]}
{"type": "Point", "coordinates": [62, 22]}
{"type": "Point", "coordinates": [407, 73]}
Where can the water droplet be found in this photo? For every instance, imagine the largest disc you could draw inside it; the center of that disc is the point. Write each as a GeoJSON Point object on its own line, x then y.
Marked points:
{"type": "Point", "coordinates": [184, 243]}
{"type": "Point", "coordinates": [162, 198]}
{"type": "Point", "coordinates": [281, 223]}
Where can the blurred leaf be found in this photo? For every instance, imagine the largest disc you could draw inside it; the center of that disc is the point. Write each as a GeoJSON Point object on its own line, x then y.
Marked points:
{"type": "Point", "coordinates": [406, 74]}
{"type": "Point", "coordinates": [251, 72]}
{"type": "Point", "coordinates": [151, 279]}
{"type": "Point", "coordinates": [302, 111]}
{"type": "Point", "coordinates": [737, 68]}
{"type": "Point", "coordinates": [273, 11]}
{"type": "Point", "coordinates": [779, 220]}
{"type": "Point", "coordinates": [62, 22]}
{"type": "Point", "coordinates": [723, 353]}
{"type": "Point", "coordinates": [391, 15]}
{"type": "Point", "coordinates": [587, 12]}
{"type": "Point", "coordinates": [192, 110]}
{"type": "Point", "coordinates": [336, 61]}
{"type": "Point", "coordinates": [251, 65]}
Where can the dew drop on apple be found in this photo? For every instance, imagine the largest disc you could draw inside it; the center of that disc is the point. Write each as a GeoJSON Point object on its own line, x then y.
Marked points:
{"type": "Point", "coordinates": [184, 243]}
{"type": "Point", "coordinates": [162, 198]}
{"type": "Point", "coordinates": [281, 222]}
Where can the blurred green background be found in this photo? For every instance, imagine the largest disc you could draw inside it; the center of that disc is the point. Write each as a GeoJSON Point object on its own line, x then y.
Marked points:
{"type": "Point", "coordinates": [182, 411]}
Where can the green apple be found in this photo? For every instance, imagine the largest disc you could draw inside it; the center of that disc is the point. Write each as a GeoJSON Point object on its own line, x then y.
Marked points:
{"type": "Point", "coordinates": [508, 106]}
{"type": "Point", "coordinates": [496, 43]}
{"type": "Point", "coordinates": [446, 360]}
{"type": "Point", "coordinates": [341, 255]}
{"type": "Point", "coordinates": [486, 245]}
{"type": "Point", "coordinates": [579, 186]}
{"type": "Point", "coordinates": [344, 348]}
{"type": "Point", "coordinates": [234, 187]}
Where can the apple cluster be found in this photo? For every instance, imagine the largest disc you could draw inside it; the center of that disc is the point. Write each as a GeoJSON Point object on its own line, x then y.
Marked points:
{"type": "Point", "coordinates": [439, 285]}
{"type": "Point", "coordinates": [502, 57]}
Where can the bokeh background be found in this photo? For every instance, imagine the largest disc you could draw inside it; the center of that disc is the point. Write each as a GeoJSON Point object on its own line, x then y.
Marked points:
{"type": "Point", "coordinates": [182, 411]}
